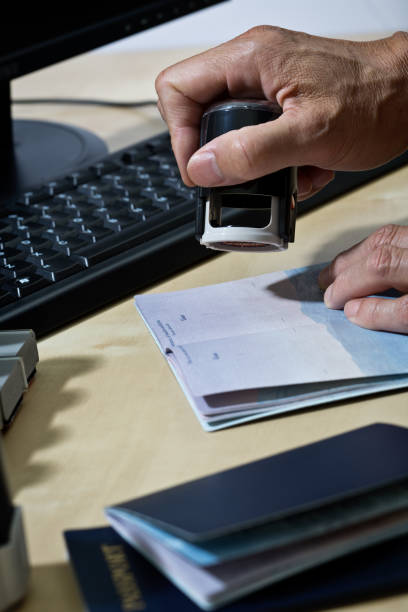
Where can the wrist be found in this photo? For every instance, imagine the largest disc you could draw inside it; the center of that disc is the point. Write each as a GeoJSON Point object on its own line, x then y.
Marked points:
{"type": "Point", "coordinates": [398, 53]}
{"type": "Point", "coordinates": [390, 56]}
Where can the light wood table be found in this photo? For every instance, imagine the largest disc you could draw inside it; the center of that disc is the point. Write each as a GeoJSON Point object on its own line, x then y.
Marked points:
{"type": "Point", "coordinates": [105, 419]}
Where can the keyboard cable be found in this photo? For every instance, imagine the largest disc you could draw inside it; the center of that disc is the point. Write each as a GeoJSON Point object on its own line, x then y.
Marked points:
{"type": "Point", "coordinates": [88, 102]}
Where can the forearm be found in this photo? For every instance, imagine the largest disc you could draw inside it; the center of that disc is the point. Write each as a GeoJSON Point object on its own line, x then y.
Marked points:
{"type": "Point", "coordinates": [392, 57]}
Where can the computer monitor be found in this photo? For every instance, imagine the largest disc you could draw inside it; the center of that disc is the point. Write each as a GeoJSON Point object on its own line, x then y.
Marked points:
{"type": "Point", "coordinates": [33, 152]}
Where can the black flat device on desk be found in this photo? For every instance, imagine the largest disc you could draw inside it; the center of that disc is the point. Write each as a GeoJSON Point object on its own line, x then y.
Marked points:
{"type": "Point", "coordinates": [80, 228]}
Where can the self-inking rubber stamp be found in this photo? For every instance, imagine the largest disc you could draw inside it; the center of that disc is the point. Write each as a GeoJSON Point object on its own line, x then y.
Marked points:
{"type": "Point", "coordinates": [258, 215]}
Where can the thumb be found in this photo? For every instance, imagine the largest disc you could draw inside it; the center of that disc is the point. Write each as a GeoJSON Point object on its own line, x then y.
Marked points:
{"type": "Point", "coordinates": [248, 153]}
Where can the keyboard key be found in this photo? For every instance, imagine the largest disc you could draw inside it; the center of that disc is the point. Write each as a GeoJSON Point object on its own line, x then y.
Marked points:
{"type": "Point", "coordinates": [55, 187]}
{"type": "Point", "coordinates": [57, 218]}
{"type": "Point", "coordinates": [71, 199]}
{"type": "Point", "coordinates": [105, 167]}
{"type": "Point", "coordinates": [58, 232]}
{"type": "Point", "coordinates": [20, 267]}
{"type": "Point", "coordinates": [9, 254]}
{"type": "Point", "coordinates": [30, 230]}
{"type": "Point", "coordinates": [8, 239]}
{"type": "Point", "coordinates": [134, 155]}
{"type": "Point", "coordinates": [154, 192]}
{"type": "Point", "coordinates": [135, 169]}
{"type": "Point", "coordinates": [5, 226]}
{"type": "Point", "coordinates": [169, 170]}
{"type": "Point", "coordinates": [160, 143]}
{"type": "Point", "coordinates": [84, 221]}
{"type": "Point", "coordinates": [99, 233]}
{"type": "Point", "coordinates": [24, 285]}
{"type": "Point", "coordinates": [39, 257]}
{"type": "Point", "coordinates": [17, 220]}
{"type": "Point", "coordinates": [31, 197]}
{"type": "Point", "coordinates": [148, 209]}
{"type": "Point", "coordinates": [162, 202]}
{"type": "Point", "coordinates": [70, 244]}
{"type": "Point", "coordinates": [77, 178]}
{"type": "Point", "coordinates": [120, 222]}
{"type": "Point", "coordinates": [163, 158]}
{"type": "Point", "coordinates": [148, 179]}
{"type": "Point", "coordinates": [59, 267]}
{"type": "Point", "coordinates": [34, 244]}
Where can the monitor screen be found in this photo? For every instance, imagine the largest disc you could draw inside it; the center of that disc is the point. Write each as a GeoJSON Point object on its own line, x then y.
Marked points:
{"type": "Point", "coordinates": [36, 38]}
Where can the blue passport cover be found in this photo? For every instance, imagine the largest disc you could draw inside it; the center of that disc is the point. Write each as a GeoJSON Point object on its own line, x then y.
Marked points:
{"type": "Point", "coordinates": [113, 577]}
{"type": "Point", "coordinates": [301, 479]}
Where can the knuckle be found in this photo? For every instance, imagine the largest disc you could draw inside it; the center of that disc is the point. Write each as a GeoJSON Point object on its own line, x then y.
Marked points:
{"type": "Point", "coordinates": [320, 122]}
{"type": "Point", "coordinates": [265, 37]}
{"type": "Point", "coordinates": [401, 306]}
{"type": "Point", "coordinates": [260, 31]}
{"type": "Point", "coordinates": [325, 121]}
{"type": "Point", "coordinates": [159, 81]}
{"type": "Point", "coordinates": [242, 152]}
{"type": "Point", "coordinates": [337, 265]}
{"type": "Point", "coordinates": [384, 235]}
{"type": "Point", "coordinates": [381, 260]}
{"type": "Point", "coordinates": [371, 311]}
{"type": "Point", "coordinates": [162, 80]}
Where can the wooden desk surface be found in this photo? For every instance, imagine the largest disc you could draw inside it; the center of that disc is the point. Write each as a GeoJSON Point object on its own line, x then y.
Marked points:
{"type": "Point", "coordinates": [104, 419]}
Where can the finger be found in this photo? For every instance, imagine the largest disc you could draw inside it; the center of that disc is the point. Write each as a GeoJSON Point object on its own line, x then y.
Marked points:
{"type": "Point", "coordinates": [250, 152]}
{"type": "Point", "coordinates": [184, 141]}
{"type": "Point", "coordinates": [379, 313]}
{"type": "Point", "coordinates": [395, 235]}
{"type": "Point", "coordinates": [186, 89]}
{"type": "Point", "coordinates": [183, 116]}
{"type": "Point", "coordinates": [161, 110]}
{"type": "Point", "coordinates": [386, 267]}
{"type": "Point", "coordinates": [311, 180]}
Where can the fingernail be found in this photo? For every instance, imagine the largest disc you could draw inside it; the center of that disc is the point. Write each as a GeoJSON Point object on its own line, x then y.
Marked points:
{"type": "Point", "coordinates": [328, 296]}
{"type": "Point", "coordinates": [351, 309]}
{"type": "Point", "coordinates": [203, 169]}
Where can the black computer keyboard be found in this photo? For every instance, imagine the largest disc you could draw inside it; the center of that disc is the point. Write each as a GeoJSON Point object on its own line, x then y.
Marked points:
{"type": "Point", "coordinates": [102, 233]}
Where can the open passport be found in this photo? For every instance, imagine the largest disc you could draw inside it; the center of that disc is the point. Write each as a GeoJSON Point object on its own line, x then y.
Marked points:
{"type": "Point", "coordinates": [265, 345]}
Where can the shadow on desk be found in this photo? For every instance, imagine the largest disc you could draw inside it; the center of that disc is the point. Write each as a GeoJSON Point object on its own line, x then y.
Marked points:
{"type": "Point", "coordinates": [33, 428]}
{"type": "Point", "coordinates": [304, 282]}
{"type": "Point", "coordinates": [52, 587]}
{"type": "Point", "coordinates": [327, 251]}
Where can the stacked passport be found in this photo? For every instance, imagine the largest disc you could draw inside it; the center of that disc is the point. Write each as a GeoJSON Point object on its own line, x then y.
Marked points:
{"type": "Point", "coordinates": [115, 578]}
{"type": "Point", "coordinates": [224, 536]}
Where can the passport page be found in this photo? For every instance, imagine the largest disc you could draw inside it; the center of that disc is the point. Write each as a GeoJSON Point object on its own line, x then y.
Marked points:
{"type": "Point", "coordinates": [264, 345]}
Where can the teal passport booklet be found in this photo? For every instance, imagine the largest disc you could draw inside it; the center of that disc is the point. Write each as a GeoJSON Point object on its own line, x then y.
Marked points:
{"type": "Point", "coordinates": [229, 534]}
{"type": "Point", "coordinates": [260, 346]}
